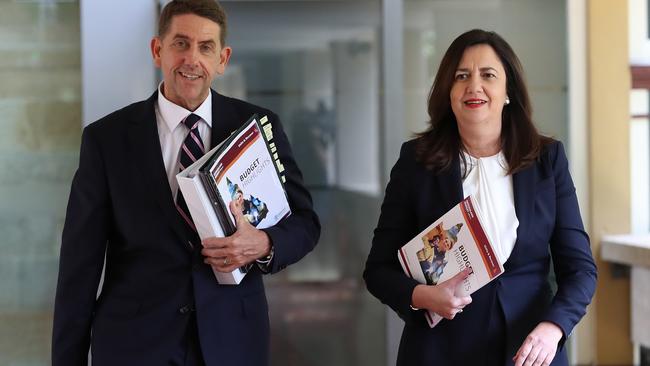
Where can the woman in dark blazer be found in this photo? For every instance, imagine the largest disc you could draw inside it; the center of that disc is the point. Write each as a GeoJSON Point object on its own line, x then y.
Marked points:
{"type": "Point", "coordinates": [481, 140]}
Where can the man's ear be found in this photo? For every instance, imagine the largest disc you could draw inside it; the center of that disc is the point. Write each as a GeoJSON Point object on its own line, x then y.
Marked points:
{"type": "Point", "coordinates": [224, 57]}
{"type": "Point", "coordinates": [156, 45]}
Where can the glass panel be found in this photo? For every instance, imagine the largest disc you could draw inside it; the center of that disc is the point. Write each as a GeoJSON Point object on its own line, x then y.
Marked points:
{"type": "Point", "coordinates": [316, 64]}
{"type": "Point", "coordinates": [535, 29]}
{"type": "Point", "coordinates": [41, 127]}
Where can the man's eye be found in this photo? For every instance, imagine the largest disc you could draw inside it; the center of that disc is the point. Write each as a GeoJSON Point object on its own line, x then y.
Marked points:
{"type": "Point", "coordinates": [179, 43]}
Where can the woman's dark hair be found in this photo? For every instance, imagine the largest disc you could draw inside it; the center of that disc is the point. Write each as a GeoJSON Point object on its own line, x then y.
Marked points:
{"type": "Point", "coordinates": [440, 143]}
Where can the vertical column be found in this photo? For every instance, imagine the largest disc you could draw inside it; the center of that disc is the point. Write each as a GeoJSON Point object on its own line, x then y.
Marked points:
{"type": "Point", "coordinates": [393, 130]}
{"type": "Point", "coordinates": [357, 109]}
{"type": "Point", "coordinates": [117, 68]}
{"type": "Point", "coordinates": [392, 122]}
{"type": "Point", "coordinates": [583, 341]}
{"type": "Point", "coordinates": [609, 89]}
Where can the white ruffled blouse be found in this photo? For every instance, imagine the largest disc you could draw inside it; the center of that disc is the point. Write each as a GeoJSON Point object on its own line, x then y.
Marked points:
{"type": "Point", "coordinates": [492, 188]}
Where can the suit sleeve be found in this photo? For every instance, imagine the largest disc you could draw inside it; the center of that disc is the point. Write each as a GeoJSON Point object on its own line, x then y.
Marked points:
{"type": "Point", "coordinates": [573, 262]}
{"type": "Point", "coordinates": [296, 235]}
{"type": "Point", "coordinates": [383, 274]}
{"type": "Point", "coordinates": [81, 258]}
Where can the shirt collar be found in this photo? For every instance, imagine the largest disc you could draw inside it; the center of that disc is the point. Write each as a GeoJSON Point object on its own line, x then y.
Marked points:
{"type": "Point", "coordinates": [173, 114]}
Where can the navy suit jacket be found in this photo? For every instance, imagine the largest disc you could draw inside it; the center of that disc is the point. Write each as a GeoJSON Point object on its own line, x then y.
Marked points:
{"type": "Point", "coordinates": [121, 205]}
{"type": "Point", "coordinates": [550, 228]}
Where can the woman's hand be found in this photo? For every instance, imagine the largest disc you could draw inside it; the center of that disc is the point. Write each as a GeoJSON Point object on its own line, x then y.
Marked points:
{"type": "Point", "coordinates": [441, 298]}
{"type": "Point", "coordinates": [540, 346]}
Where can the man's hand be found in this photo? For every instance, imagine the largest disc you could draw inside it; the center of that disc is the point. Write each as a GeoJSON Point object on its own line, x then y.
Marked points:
{"type": "Point", "coordinates": [441, 298]}
{"type": "Point", "coordinates": [540, 346]}
{"type": "Point", "coordinates": [244, 246]}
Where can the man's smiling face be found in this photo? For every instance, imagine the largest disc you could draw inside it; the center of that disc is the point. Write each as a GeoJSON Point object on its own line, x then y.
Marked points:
{"type": "Point", "coordinates": [190, 55]}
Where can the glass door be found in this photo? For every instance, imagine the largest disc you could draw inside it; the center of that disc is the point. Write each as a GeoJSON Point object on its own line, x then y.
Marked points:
{"type": "Point", "coordinates": [317, 65]}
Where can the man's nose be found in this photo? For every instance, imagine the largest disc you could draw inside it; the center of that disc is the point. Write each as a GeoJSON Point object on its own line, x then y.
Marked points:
{"type": "Point", "coordinates": [192, 55]}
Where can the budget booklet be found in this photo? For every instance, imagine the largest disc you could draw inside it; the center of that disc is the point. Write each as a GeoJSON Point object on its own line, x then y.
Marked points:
{"type": "Point", "coordinates": [246, 164]}
{"type": "Point", "coordinates": [453, 242]}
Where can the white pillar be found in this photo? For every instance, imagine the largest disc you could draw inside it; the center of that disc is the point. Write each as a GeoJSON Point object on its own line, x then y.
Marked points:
{"type": "Point", "coordinates": [116, 63]}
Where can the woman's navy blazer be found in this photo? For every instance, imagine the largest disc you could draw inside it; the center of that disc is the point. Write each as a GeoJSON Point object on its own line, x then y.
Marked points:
{"type": "Point", "coordinates": [550, 236]}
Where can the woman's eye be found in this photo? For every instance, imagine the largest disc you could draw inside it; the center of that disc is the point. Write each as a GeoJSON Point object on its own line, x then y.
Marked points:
{"type": "Point", "coordinates": [461, 76]}
{"type": "Point", "coordinates": [489, 75]}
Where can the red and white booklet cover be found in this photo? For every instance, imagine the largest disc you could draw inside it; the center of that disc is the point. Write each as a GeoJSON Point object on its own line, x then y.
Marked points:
{"type": "Point", "coordinates": [453, 242]}
{"type": "Point", "coordinates": [246, 164]}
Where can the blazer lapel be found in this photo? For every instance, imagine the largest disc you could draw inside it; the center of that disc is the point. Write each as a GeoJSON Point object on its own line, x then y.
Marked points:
{"type": "Point", "coordinates": [224, 118]}
{"type": "Point", "coordinates": [143, 137]}
{"type": "Point", "coordinates": [524, 187]}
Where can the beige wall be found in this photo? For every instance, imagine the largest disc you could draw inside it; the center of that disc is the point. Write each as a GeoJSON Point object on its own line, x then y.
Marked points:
{"type": "Point", "coordinates": [609, 86]}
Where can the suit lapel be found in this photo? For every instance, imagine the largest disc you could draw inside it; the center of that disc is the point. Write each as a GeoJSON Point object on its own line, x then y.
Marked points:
{"type": "Point", "coordinates": [224, 118]}
{"type": "Point", "coordinates": [523, 186]}
{"type": "Point", "coordinates": [145, 143]}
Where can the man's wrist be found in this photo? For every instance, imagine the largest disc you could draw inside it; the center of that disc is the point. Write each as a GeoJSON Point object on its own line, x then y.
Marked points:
{"type": "Point", "coordinates": [268, 258]}
{"type": "Point", "coordinates": [264, 263]}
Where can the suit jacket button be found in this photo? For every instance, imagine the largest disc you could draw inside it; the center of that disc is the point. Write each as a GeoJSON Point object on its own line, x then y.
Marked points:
{"type": "Point", "coordinates": [185, 309]}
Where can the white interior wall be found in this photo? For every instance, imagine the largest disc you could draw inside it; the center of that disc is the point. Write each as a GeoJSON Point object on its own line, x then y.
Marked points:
{"type": "Point", "coordinates": [640, 179]}
{"type": "Point", "coordinates": [638, 28]}
{"type": "Point", "coordinates": [116, 63]}
{"type": "Point", "coordinates": [639, 131]}
{"type": "Point", "coordinates": [357, 107]}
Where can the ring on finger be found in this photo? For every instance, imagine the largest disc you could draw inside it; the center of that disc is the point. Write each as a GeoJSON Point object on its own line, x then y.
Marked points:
{"type": "Point", "coordinates": [226, 261]}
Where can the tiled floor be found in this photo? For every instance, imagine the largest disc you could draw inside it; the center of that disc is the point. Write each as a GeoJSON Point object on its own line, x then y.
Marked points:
{"type": "Point", "coordinates": [25, 339]}
{"type": "Point", "coordinates": [325, 324]}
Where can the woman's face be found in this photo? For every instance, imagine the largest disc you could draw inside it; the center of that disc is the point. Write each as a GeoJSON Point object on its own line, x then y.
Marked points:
{"type": "Point", "coordinates": [478, 94]}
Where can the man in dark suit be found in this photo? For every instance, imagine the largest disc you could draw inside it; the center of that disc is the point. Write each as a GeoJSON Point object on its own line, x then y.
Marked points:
{"type": "Point", "coordinates": [160, 303]}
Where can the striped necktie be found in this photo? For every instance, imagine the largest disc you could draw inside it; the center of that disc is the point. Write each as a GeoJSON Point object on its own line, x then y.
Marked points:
{"type": "Point", "coordinates": [191, 150]}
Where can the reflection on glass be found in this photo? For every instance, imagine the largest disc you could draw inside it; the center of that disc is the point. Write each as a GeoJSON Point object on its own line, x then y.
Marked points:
{"type": "Point", "coordinates": [41, 127]}
{"type": "Point", "coordinates": [314, 130]}
{"type": "Point", "coordinates": [316, 65]}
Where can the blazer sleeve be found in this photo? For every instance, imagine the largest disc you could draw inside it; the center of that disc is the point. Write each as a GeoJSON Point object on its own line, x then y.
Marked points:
{"type": "Point", "coordinates": [296, 235]}
{"type": "Point", "coordinates": [81, 258]}
{"type": "Point", "coordinates": [383, 274]}
{"type": "Point", "coordinates": [573, 262]}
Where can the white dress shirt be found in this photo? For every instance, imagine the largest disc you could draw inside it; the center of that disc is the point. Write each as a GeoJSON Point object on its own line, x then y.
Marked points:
{"type": "Point", "coordinates": [492, 187]}
{"type": "Point", "coordinates": [172, 132]}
